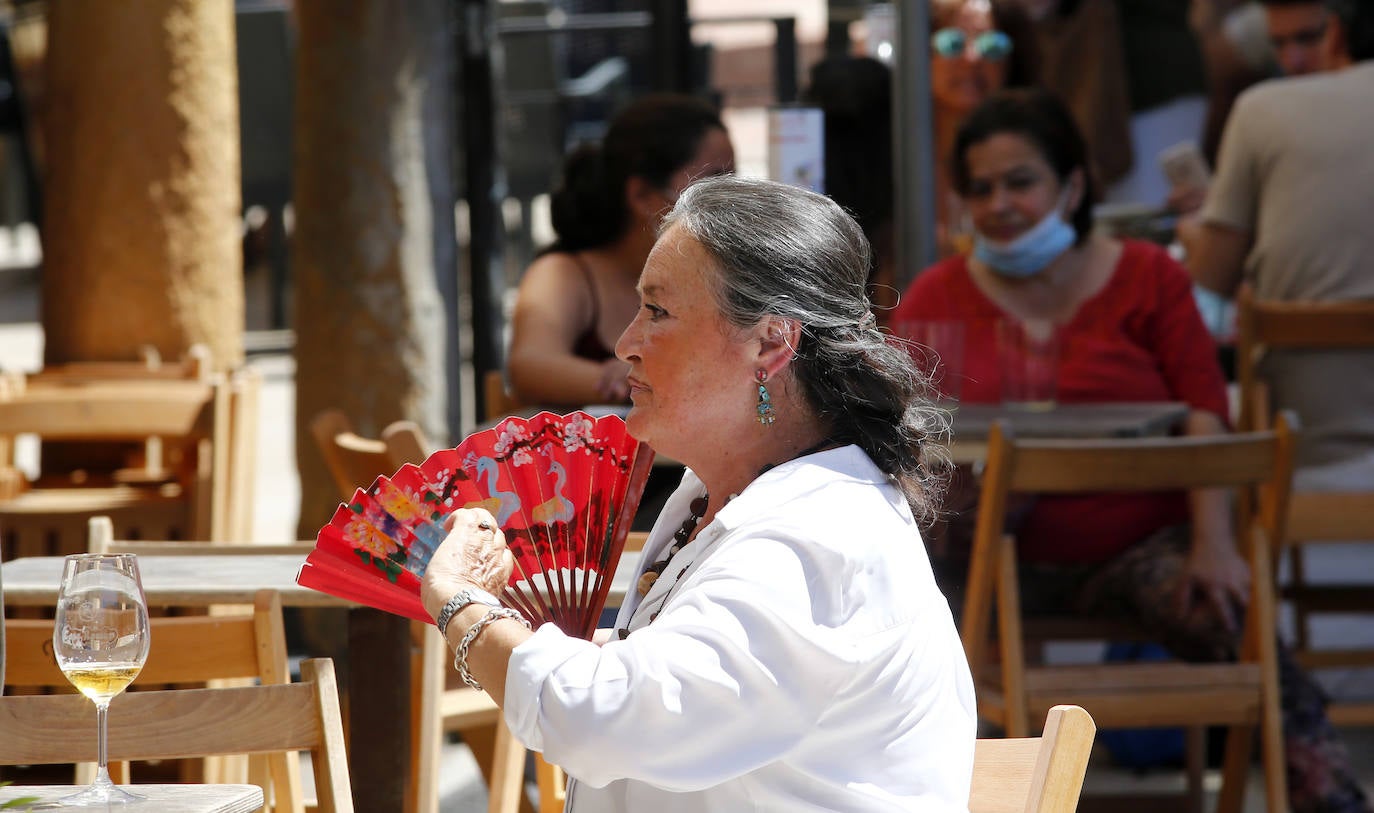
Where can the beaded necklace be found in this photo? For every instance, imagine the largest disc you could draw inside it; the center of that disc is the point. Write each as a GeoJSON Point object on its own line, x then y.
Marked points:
{"type": "Point", "coordinates": [680, 538]}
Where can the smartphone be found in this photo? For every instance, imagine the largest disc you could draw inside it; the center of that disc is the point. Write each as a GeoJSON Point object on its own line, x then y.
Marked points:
{"type": "Point", "coordinates": [1184, 166]}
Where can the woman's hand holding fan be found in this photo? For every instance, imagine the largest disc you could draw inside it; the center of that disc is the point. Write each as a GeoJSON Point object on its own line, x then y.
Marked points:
{"type": "Point", "coordinates": [562, 488]}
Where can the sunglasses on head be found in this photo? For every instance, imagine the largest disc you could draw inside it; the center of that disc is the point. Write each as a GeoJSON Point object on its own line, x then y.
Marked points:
{"type": "Point", "coordinates": [953, 42]}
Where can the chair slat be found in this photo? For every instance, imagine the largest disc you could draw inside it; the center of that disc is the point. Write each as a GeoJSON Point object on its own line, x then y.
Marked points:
{"type": "Point", "coordinates": [1141, 464]}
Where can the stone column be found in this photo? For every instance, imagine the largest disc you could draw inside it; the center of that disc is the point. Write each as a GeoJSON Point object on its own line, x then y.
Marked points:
{"type": "Point", "coordinates": [141, 217]}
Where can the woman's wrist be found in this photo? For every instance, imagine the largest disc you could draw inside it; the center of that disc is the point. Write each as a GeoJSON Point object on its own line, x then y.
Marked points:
{"type": "Point", "coordinates": [434, 596]}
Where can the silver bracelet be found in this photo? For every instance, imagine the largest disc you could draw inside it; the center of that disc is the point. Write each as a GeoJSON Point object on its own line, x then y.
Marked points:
{"type": "Point", "coordinates": [460, 655]}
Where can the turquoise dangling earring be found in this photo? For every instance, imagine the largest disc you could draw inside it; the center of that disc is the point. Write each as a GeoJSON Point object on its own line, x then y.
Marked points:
{"type": "Point", "coordinates": [765, 407]}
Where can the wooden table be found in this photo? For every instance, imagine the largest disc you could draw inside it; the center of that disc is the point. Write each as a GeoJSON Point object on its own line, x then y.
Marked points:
{"type": "Point", "coordinates": [160, 798]}
{"type": "Point", "coordinates": [378, 647]}
{"type": "Point", "coordinates": [972, 422]}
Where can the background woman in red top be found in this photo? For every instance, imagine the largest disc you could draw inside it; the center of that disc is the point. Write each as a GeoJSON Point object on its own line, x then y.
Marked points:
{"type": "Point", "coordinates": [1128, 331]}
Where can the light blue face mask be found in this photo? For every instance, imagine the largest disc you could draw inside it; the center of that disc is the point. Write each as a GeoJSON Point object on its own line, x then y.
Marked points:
{"type": "Point", "coordinates": [1030, 253]}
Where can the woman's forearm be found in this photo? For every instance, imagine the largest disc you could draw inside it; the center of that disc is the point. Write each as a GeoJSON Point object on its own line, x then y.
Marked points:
{"type": "Point", "coordinates": [544, 378]}
{"type": "Point", "coordinates": [1210, 508]}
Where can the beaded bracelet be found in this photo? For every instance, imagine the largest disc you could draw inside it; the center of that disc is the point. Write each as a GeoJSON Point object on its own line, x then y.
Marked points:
{"type": "Point", "coordinates": [460, 655]}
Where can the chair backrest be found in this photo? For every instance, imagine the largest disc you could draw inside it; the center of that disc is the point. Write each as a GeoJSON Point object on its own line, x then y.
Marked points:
{"type": "Point", "coordinates": [183, 438]}
{"type": "Point", "coordinates": [355, 461]}
{"type": "Point", "coordinates": [1034, 774]}
{"type": "Point", "coordinates": [497, 400]}
{"type": "Point", "coordinates": [186, 649]}
{"type": "Point", "coordinates": [101, 540]}
{"type": "Point", "coordinates": [1266, 325]}
{"type": "Point", "coordinates": [196, 365]}
{"type": "Point", "coordinates": [1257, 464]}
{"type": "Point", "coordinates": [48, 729]}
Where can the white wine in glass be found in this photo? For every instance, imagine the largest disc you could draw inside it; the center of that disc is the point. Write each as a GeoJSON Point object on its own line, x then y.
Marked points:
{"type": "Point", "coordinates": [101, 641]}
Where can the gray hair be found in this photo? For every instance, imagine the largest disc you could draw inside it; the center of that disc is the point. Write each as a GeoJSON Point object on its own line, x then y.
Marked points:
{"type": "Point", "coordinates": [785, 252]}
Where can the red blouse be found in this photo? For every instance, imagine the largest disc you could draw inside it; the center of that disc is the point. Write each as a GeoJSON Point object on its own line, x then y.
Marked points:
{"type": "Point", "coordinates": [1138, 339]}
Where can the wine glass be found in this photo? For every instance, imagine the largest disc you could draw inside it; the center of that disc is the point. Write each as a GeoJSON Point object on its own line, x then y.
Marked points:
{"type": "Point", "coordinates": [101, 641]}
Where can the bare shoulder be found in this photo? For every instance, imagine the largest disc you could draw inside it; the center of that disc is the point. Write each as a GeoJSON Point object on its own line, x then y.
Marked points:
{"type": "Point", "coordinates": [554, 275]}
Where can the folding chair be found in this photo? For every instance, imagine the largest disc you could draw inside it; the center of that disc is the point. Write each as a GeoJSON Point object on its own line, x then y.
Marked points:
{"type": "Point", "coordinates": [1240, 695]}
{"type": "Point", "coordinates": [1313, 516]}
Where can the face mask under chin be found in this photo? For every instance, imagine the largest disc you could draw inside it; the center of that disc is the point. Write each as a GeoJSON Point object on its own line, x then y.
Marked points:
{"type": "Point", "coordinates": [1030, 253]}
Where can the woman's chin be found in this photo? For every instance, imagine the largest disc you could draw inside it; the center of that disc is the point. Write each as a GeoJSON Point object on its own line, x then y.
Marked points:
{"type": "Point", "coordinates": [636, 424]}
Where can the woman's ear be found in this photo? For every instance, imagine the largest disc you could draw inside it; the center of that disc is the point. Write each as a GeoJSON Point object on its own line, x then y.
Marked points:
{"type": "Point", "coordinates": [1075, 188]}
{"type": "Point", "coordinates": [778, 338]}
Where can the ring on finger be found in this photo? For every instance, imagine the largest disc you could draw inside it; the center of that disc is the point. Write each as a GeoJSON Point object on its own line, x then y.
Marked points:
{"type": "Point", "coordinates": [485, 526]}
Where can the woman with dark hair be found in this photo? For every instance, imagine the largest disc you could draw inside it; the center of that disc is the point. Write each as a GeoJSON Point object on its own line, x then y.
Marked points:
{"type": "Point", "coordinates": [579, 294]}
{"type": "Point", "coordinates": [1127, 330]}
{"type": "Point", "coordinates": [977, 47]}
{"type": "Point", "coordinates": [787, 648]}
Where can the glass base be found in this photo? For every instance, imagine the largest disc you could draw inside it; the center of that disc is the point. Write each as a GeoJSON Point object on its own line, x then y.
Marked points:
{"type": "Point", "coordinates": [100, 794]}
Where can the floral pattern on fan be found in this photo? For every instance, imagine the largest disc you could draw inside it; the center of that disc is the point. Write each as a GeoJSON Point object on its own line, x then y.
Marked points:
{"type": "Point", "coordinates": [563, 488]}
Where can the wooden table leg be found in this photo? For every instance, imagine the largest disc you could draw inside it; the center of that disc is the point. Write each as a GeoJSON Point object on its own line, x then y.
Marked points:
{"type": "Point", "coordinates": [379, 709]}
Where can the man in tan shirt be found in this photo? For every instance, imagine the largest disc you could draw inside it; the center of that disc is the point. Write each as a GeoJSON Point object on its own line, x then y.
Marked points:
{"type": "Point", "coordinates": [1289, 212]}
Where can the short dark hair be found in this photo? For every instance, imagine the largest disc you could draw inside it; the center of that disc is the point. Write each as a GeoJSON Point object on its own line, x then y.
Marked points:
{"type": "Point", "coordinates": [1039, 116]}
{"type": "Point", "coordinates": [651, 138]}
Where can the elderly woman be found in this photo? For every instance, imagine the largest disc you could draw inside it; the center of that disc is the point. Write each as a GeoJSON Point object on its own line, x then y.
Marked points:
{"type": "Point", "coordinates": [795, 653]}
{"type": "Point", "coordinates": [1128, 331]}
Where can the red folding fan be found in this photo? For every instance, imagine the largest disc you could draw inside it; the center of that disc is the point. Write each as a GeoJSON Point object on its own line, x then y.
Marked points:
{"type": "Point", "coordinates": [563, 488]}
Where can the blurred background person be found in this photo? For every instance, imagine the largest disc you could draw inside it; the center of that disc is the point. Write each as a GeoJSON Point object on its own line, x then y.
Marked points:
{"type": "Point", "coordinates": [1308, 36]}
{"type": "Point", "coordinates": [579, 294]}
{"type": "Point", "coordinates": [1166, 81]}
{"type": "Point", "coordinates": [1081, 58]}
{"type": "Point", "coordinates": [1300, 37]}
{"type": "Point", "coordinates": [976, 48]}
{"type": "Point", "coordinates": [1288, 212]}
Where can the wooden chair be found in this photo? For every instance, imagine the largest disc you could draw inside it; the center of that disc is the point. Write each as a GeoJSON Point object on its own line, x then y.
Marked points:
{"type": "Point", "coordinates": [54, 729]}
{"type": "Point", "coordinates": [181, 484]}
{"type": "Point", "coordinates": [185, 649]}
{"type": "Point", "coordinates": [497, 400]}
{"type": "Point", "coordinates": [1034, 774]}
{"type": "Point", "coordinates": [1326, 516]}
{"type": "Point", "coordinates": [1240, 695]}
{"type": "Point", "coordinates": [356, 461]}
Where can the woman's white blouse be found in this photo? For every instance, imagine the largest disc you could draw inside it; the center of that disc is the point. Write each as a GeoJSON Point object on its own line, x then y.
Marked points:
{"type": "Point", "coordinates": [804, 661]}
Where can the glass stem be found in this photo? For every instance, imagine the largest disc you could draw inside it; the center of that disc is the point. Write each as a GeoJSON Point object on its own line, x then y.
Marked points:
{"type": "Point", "coordinates": [102, 771]}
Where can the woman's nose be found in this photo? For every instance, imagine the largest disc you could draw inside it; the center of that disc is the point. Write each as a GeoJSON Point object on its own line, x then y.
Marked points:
{"type": "Point", "coordinates": [627, 346]}
{"type": "Point", "coordinates": [998, 199]}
